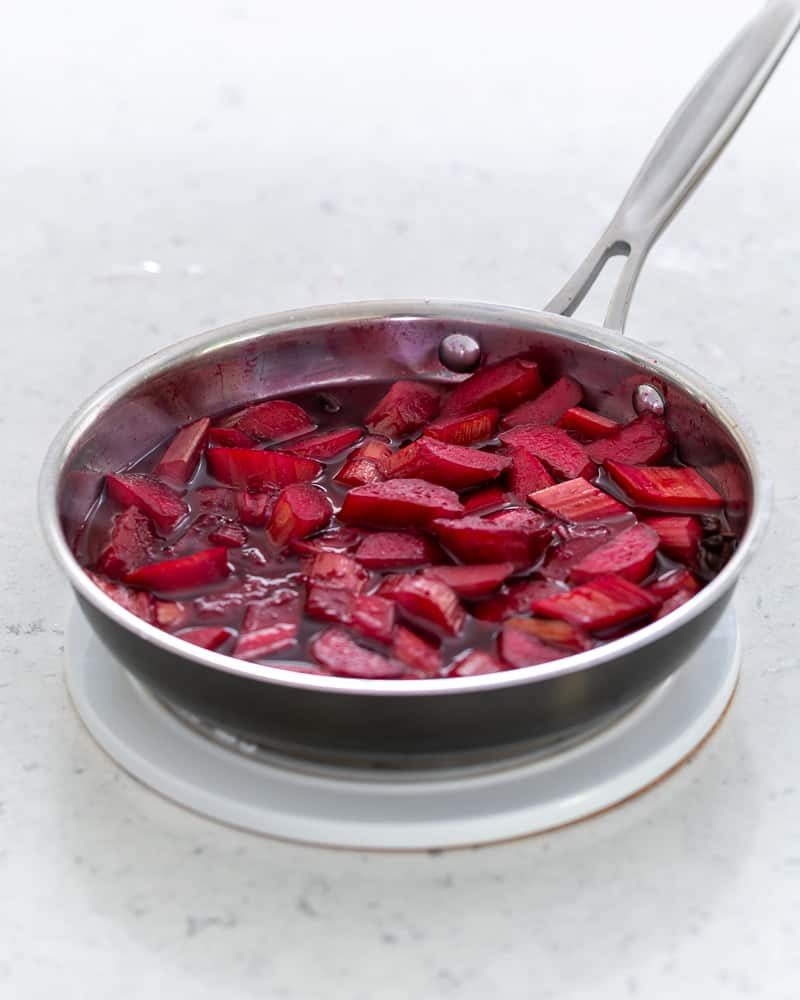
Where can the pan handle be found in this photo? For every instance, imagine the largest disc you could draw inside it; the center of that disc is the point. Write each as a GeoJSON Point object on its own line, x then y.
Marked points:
{"type": "Point", "coordinates": [693, 138]}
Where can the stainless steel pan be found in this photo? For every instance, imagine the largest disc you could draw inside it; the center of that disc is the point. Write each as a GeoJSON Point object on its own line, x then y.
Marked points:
{"type": "Point", "coordinates": [421, 722]}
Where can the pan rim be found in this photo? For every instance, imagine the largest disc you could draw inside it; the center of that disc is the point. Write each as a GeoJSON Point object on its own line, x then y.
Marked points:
{"type": "Point", "coordinates": [273, 324]}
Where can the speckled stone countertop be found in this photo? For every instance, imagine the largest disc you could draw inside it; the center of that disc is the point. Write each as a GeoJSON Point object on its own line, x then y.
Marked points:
{"type": "Point", "coordinates": [168, 168]}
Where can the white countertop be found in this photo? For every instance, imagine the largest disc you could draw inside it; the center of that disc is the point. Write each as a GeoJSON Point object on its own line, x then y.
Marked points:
{"type": "Point", "coordinates": [168, 168]}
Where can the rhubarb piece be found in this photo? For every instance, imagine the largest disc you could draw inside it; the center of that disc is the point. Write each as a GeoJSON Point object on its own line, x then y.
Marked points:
{"type": "Point", "coordinates": [664, 486]}
{"type": "Point", "coordinates": [184, 573]}
{"type": "Point", "coordinates": [671, 583]}
{"type": "Point", "coordinates": [161, 504]}
{"type": "Point", "coordinates": [277, 604]}
{"type": "Point", "coordinates": [676, 600]}
{"type": "Point", "coordinates": [299, 511]}
{"type": "Point", "coordinates": [548, 408]}
{"type": "Point", "coordinates": [577, 501]}
{"type": "Point", "coordinates": [266, 641]}
{"type": "Point", "coordinates": [336, 570]}
{"type": "Point", "coordinates": [604, 602]}
{"type": "Point", "coordinates": [373, 617]}
{"type": "Point", "coordinates": [224, 606]}
{"type": "Point", "coordinates": [137, 602]}
{"type": "Point", "coordinates": [678, 536]}
{"type": "Point", "coordinates": [527, 474]}
{"type": "Point", "coordinates": [329, 604]}
{"type": "Point", "coordinates": [230, 437]}
{"type": "Point", "coordinates": [431, 601]}
{"type": "Point", "coordinates": [484, 499]}
{"type": "Point", "coordinates": [574, 543]}
{"type": "Point", "coordinates": [216, 500]}
{"type": "Point", "coordinates": [445, 464]}
{"type": "Point", "coordinates": [419, 654]}
{"type": "Point", "coordinates": [255, 508]}
{"type": "Point", "coordinates": [554, 632]}
{"type": "Point", "coordinates": [473, 581]}
{"type": "Point", "coordinates": [365, 464]}
{"type": "Point", "coordinates": [231, 535]}
{"type": "Point", "coordinates": [337, 652]}
{"type": "Point", "coordinates": [473, 663]}
{"type": "Point", "coordinates": [464, 430]}
{"type": "Point", "coordinates": [501, 386]}
{"type": "Point", "coordinates": [336, 540]}
{"type": "Point", "coordinates": [205, 637]}
{"type": "Point", "coordinates": [519, 648]}
{"type": "Point", "coordinates": [563, 455]}
{"type": "Point", "coordinates": [395, 550]}
{"type": "Point", "coordinates": [630, 555]}
{"type": "Point", "coordinates": [478, 540]}
{"type": "Point", "coordinates": [257, 470]}
{"type": "Point", "coordinates": [275, 420]}
{"type": "Point", "coordinates": [587, 424]}
{"type": "Point", "coordinates": [326, 445]}
{"type": "Point", "coordinates": [405, 408]}
{"type": "Point", "coordinates": [171, 615]}
{"type": "Point", "coordinates": [401, 503]}
{"type": "Point", "coordinates": [516, 600]}
{"type": "Point", "coordinates": [640, 442]}
{"type": "Point", "coordinates": [130, 544]}
{"type": "Point", "coordinates": [179, 461]}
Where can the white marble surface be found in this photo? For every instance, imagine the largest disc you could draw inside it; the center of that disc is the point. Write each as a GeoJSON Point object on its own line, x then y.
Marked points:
{"type": "Point", "coordinates": [261, 156]}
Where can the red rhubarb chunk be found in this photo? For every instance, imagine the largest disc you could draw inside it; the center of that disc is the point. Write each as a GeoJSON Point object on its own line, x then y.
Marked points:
{"type": "Point", "coordinates": [230, 437]}
{"type": "Point", "coordinates": [578, 501]}
{"type": "Point", "coordinates": [136, 601]}
{"type": "Point", "coordinates": [365, 464]}
{"type": "Point", "coordinates": [337, 652]}
{"type": "Point", "coordinates": [428, 601]}
{"type": "Point", "coordinates": [664, 486]}
{"type": "Point", "coordinates": [130, 544]}
{"type": "Point", "coordinates": [548, 407]}
{"type": "Point", "coordinates": [563, 455]}
{"type": "Point", "coordinates": [474, 663]}
{"type": "Point", "coordinates": [473, 581]}
{"type": "Point", "coordinates": [603, 603]}
{"type": "Point", "coordinates": [484, 499]}
{"type": "Point", "coordinates": [327, 445]}
{"type": "Point", "coordinates": [446, 464]}
{"type": "Point", "coordinates": [171, 615]}
{"type": "Point", "coordinates": [329, 604]}
{"type": "Point", "coordinates": [373, 617]}
{"type": "Point", "coordinates": [205, 637]}
{"type": "Point", "coordinates": [679, 536]}
{"type": "Point", "coordinates": [554, 632]}
{"type": "Point", "coordinates": [161, 504]}
{"type": "Point", "coordinates": [399, 503]}
{"type": "Point", "coordinates": [674, 581]}
{"type": "Point", "coordinates": [255, 508]}
{"type": "Point", "coordinates": [419, 654]}
{"type": "Point", "coordinates": [644, 440]}
{"type": "Point", "coordinates": [179, 461]}
{"type": "Point", "coordinates": [265, 641]}
{"type": "Point", "coordinates": [336, 570]}
{"type": "Point", "coordinates": [587, 424]}
{"type": "Point", "coordinates": [630, 554]}
{"type": "Point", "coordinates": [576, 542]}
{"type": "Point", "coordinates": [501, 386]}
{"type": "Point", "coordinates": [479, 540]}
{"type": "Point", "coordinates": [677, 600]}
{"type": "Point", "coordinates": [336, 540]}
{"type": "Point", "coordinates": [464, 430]}
{"type": "Point", "coordinates": [215, 500]}
{"type": "Point", "coordinates": [517, 599]}
{"type": "Point", "coordinates": [278, 604]}
{"type": "Point", "coordinates": [395, 550]}
{"type": "Point", "coordinates": [299, 511]}
{"type": "Point", "coordinates": [185, 573]}
{"type": "Point", "coordinates": [256, 470]}
{"type": "Point", "coordinates": [527, 474]}
{"type": "Point", "coordinates": [518, 648]}
{"type": "Point", "coordinates": [405, 408]}
{"type": "Point", "coordinates": [275, 420]}
{"type": "Point", "coordinates": [233, 536]}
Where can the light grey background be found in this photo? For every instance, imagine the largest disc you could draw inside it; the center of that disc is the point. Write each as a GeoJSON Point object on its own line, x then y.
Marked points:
{"type": "Point", "coordinates": [170, 166]}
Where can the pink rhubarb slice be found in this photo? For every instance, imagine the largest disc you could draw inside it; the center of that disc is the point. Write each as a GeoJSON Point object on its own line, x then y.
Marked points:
{"type": "Point", "coordinates": [519, 648]}
{"type": "Point", "coordinates": [516, 600]}
{"type": "Point", "coordinates": [630, 554]}
{"type": "Point", "coordinates": [578, 501]}
{"type": "Point", "coordinates": [563, 455]}
{"type": "Point", "coordinates": [420, 655]}
{"type": "Point", "coordinates": [432, 601]}
{"type": "Point", "coordinates": [365, 464]}
{"type": "Point", "coordinates": [464, 430]}
{"type": "Point", "coordinates": [473, 581]}
{"type": "Point", "coordinates": [326, 445]}
{"type": "Point", "coordinates": [206, 637]}
{"type": "Point", "coordinates": [179, 461]}
{"type": "Point", "coordinates": [485, 499]}
{"type": "Point", "coordinates": [130, 544]}
{"type": "Point", "coordinates": [478, 540]}
{"type": "Point", "coordinates": [300, 510]}
{"type": "Point", "coordinates": [138, 602]}
{"type": "Point", "coordinates": [161, 504]}
{"type": "Point", "coordinates": [587, 424]}
{"type": "Point", "coordinates": [396, 550]}
{"type": "Point", "coordinates": [337, 652]}
{"type": "Point", "coordinates": [185, 573]}
{"type": "Point", "coordinates": [335, 540]}
{"type": "Point", "coordinates": [548, 407]}
{"type": "Point", "coordinates": [671, 583]}
{"type": "Point", "coordinates": [527, 474]}
{"type": "Point", "coordinates": [274, 420]}
{"type": "Point", "coordinates": [257, 470]}
{"type": "Point", "coordinates": [640, 442]}
{"type": "Point", "coordinates": [664, 486]}
{"type": "Point", "coordinates": [679, 536]}
{"type": "Point", "coordinates": [474, 663]}
{"type": "Point", "coordinates": [230, 437]}
{"type": "Point", "coordinates": [337, 570]}
{"type": "Point", "coordinates": [399, 503]}
{"type": "Point", "coordinates": [266, 641]}
{"type": "Point", "coordinates": [448, 465]}
{"type": "Point", "coordinates": [405, 408]}
{"type": "Point", "coordinates": [604, 602]}
{"type": "Point", "coordinates": [501, 386]}
{"type": "Point", "coordinates": [554, 632]}
{"type": "Point", "coordinates": [254, 508]}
